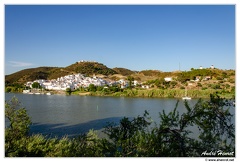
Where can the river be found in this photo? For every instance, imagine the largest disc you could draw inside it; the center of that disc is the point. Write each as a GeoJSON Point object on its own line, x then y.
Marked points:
{"type": "Point", "coordinates": [59, 115]}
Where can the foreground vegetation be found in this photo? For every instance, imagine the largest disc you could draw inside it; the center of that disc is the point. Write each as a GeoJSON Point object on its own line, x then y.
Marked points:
{"type": "Point", "coordinates": [137, 137]}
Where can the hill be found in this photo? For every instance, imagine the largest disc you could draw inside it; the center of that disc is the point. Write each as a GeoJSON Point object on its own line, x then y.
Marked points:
{"type": "Point", "coordinates": [123, 71]}
{"type": "Point", "coordinates": [26, 75]}
{"type": "Point", "coordinates": [88, 68]}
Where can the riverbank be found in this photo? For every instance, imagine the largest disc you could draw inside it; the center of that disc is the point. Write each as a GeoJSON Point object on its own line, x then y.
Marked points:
{"type": "Point", "coordinates": [160, 93]}
{"type": "Point", "coordinates": [150, 93]}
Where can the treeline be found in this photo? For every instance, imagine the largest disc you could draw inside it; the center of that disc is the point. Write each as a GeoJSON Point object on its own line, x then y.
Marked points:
{"type": "Point", "coordinates": [137, 137]}
{"type": "Point", "coordinates": [14, 88]}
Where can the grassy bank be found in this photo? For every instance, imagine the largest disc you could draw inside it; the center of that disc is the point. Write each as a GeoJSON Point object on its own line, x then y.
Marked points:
{"type": "Point", "coordinates": [155, 93]}
{"type": "Point", "coordinates": [163, 93]}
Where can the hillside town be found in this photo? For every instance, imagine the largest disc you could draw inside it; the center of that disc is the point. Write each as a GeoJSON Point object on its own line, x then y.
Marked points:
{"type": "Point", "coordinates": [200, 80]}
{"type": "Point", "coordinates": [76, 81]}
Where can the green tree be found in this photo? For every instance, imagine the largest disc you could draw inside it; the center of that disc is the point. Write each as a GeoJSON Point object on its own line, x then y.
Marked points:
{"type": "Point", "coordinates": [123, 137]}
{"type": "Point", "coordinates": [92, 88]}
{"type": "Point", "coordinates": [130, 79]}
{"type": "Point", "coordinates": [18, 127]}
{"type": "Point", "coordinates": [99, 88]}
{"type": "Point", "coordinates": [114, 88]}
{"type": "Point", "coordinates": [8, 89]}
{"type": "Point", "coordinates": [69, 91]}
{"type": "Point", "coordinates": [36, 85]}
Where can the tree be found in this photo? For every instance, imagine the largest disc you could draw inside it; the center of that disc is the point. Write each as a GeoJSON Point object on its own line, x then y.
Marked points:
{"type": "Point", "coordinates": [92, 88]}
{"type": "Point", "coordinates": [99, 88]}
{"type": "Point", "coordinates": [69, 91]}
{"type": "Point", "coordinates": [124, 136]}
{"type": "Point", "coordinates": [36, 85]}
{"type": "Point", "coordinates": [130, 79]}
{"type": "Point", "coordinates": [8, 89]}
{"type": "Point", "coordinates": [18, 128]}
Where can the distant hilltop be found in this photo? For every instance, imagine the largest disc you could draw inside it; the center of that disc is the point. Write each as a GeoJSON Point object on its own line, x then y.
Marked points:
{"type": "Point", "coordinates": [85, 61]}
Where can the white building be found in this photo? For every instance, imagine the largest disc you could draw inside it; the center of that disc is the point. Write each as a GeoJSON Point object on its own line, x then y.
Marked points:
{"type": "Point", "coordinates": [135, 83]}
{"type": "Point", "coordinates": [168, 79]}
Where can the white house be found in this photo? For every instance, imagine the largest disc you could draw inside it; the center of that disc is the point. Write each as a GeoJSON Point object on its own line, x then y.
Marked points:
{"type": "Point", "coordinates": [207, 78]}
{"type": "Point", "coordinates": [198, 78]}
{"type": "Point", "coordinates": [168, 79]}
{"type": "Point", "coordinates": [29, 84]}
{"type": "Point", "coordinates": [26, 91]}
{"type": "Point", "coordinates": [135, 83]}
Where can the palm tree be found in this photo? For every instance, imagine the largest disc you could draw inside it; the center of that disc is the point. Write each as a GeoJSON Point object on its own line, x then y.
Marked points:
{"type": "Point", "coordinates": [130, 79]}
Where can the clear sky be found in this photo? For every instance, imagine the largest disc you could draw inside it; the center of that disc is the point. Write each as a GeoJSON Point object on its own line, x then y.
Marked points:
{"type": "Point", "coordinates": [137, 37]}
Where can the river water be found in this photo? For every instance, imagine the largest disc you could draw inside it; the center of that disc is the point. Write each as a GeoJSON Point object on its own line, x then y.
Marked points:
{"type": "Point", "coordinates": [59, 115]}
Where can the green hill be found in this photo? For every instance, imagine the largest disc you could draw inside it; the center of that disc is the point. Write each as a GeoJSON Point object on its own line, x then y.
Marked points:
{"type": "Point", "coordinates": [150, 72]}
{"type": "Point", "coordinates": [26, 75]}
{"type": "Point", "coordinates": [123, 71]}
{"type": "Point", "coordinates": [88, 68]}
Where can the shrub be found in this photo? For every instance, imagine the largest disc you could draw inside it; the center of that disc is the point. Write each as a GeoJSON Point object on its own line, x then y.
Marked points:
{"type": "Point", "coordinates": [18, 128]}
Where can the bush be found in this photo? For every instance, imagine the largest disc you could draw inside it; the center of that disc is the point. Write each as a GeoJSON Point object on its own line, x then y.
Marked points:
{"type": "Point", "coordinates": [182, 87]}
{"type": "Point", "coordinates": [215, 86]}
{"type": "Point", "coordinates": [227, 86]}
{"type": "Point", "coordinates": [18, 128]}
{"type": "Point", "coordinates": [204, 88]}
{"type": "Point", "coordinates": [8, 89]}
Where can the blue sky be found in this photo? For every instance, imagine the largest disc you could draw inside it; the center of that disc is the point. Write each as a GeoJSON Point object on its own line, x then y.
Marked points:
{"type": "Point", "coordinates": [137, 37]}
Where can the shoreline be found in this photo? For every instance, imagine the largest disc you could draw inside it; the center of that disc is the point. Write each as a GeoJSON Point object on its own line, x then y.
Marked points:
{"type": "Point", "coordinates": [158, 93]}
{"type": "Point", "coordinates": [151, 93]}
